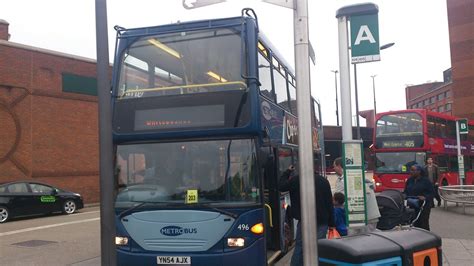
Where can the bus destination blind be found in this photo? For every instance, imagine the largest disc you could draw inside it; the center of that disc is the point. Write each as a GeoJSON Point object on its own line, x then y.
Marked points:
{"type": "Point", "coordinates": [180, 117]}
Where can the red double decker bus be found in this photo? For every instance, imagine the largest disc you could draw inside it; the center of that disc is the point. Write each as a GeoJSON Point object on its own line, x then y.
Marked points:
{"type": "Point", "coordinates": [407, 137]}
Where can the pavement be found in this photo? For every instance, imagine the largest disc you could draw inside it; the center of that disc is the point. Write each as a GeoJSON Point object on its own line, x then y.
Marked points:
{"type": "Point", "coordinates": [455, 228]}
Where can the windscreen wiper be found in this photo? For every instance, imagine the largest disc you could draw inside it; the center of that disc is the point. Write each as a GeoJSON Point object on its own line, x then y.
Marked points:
{"type": "Point", "coordinates": [141, 203]}
{"type": "Point", "coordinates": [233, 215]}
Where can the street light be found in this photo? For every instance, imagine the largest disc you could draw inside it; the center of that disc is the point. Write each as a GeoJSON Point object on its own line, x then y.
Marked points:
{"type": "Point", "coordinates": [337, 104]}
{"type": "Point", "coordinates": [373, 88]}
{"type": "Point", "coordinates": [385, 46]}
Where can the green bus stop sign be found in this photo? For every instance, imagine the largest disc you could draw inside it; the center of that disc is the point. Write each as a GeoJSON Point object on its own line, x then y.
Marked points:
{"type": "Point", "coordinates": [463, 126]}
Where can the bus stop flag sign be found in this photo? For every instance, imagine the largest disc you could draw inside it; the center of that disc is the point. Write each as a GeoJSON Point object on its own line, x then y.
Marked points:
{"type": "Point", "coordinates": [463, 128]}
{"type": "Point", "coordinates": [365, 45]}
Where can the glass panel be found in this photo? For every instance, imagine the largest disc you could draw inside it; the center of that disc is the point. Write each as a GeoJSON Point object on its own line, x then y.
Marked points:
{"type": "Point", "coordinates": [284, 160]}
{"type": "Point", "coordinates": [221, 171]}
{"type": "Point", "coordinates": [37, 188]}
{"type": "Point", "coordinates": [280, 89]}
{"type": "Point", "coordinates": [264, 75]}
{"type": "Point", "coordinates": [398, 162]}
{"type": "Point", "coordinates": [293, 102]}
{"type": "Point", "coordinates": [442, 161]}
{"type": "Point", "coordinates": [18, 188]}
{"type": "Point", "coordinates": [453, 163]}
{"type": "Point", "coordinates": [399, 124]}
{"type": "Point", "coordinates": [181, 63]}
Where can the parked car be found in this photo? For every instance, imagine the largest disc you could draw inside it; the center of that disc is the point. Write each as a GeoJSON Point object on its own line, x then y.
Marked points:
{"type": "Point", "coordinates": [34, 198]}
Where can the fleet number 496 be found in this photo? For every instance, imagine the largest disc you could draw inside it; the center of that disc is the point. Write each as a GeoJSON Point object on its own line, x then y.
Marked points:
{"type": "Point", "coordinates": [243, 227]}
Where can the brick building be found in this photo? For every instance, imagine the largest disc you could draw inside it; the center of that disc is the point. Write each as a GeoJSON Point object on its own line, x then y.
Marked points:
{"type": "Point", "coordinates": [461, 39]}
{"type": "Point", "coordinates": [455, 95]}
{"type": "Point", "coordinates": [48, 118]}
{"type": "Point", "coordinates": [434, 96]}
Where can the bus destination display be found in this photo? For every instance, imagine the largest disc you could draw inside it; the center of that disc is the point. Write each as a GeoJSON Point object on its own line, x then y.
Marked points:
{"type": "Point", "coordinates": [180, 117]}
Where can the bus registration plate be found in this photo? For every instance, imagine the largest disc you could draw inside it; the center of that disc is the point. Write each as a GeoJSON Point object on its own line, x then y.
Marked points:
{"type": "Point", "coordinates": [167, 260]}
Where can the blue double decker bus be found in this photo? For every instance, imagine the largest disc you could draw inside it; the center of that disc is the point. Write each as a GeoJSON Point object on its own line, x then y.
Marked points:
{"type": "Point", "coordinates": [204, 123]}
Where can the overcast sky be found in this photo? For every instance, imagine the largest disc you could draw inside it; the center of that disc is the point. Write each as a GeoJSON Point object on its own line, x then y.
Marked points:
{"type": "Point", "coordinates": [419, 29]}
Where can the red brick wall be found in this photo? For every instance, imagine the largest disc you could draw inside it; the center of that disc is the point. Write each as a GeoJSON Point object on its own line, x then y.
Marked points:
{"type": "Point", "coordinates": [47, 135]}
{"type": "Point", "coordinates": [461, 25]}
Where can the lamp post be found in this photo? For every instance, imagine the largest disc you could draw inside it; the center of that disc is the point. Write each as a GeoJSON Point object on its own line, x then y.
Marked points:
{"type": "Point", "coordinates": [337, 104]}
{"type": "Point", "coordinates": [373, 88]}
{"type": "Point", "coordinates": [385, 46]}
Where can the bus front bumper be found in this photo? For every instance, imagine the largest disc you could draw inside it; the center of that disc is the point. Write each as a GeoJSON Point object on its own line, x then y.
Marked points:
{"type": "Point", "coordinates": [252, 255]}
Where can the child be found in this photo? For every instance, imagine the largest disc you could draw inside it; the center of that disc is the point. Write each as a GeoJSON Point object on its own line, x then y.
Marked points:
{"type": "Point", "coordinates": [340, 213]}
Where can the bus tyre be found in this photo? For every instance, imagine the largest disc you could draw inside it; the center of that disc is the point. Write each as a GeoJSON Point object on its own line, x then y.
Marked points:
{"type": "Point", "coordinates": [4, 214]}
{"type": "Point", "coordinates": [69, 207]}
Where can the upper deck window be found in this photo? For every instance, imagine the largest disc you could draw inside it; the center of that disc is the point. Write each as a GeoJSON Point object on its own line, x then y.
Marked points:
{"type": "Point", "coordinates": [399, 124]}
{"type": "Point", "coordinates": [182, 63]}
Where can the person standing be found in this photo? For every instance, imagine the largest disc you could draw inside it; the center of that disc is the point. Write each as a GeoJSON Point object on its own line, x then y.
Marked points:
{"type": "Point", "coordinates": [432, 172]}
{"type": "Point", "coordinates": [337, 165]}
{"type": "Point", "coordinates": [340, 213]}
{"type": "Point", "coordinates": [373, 213]}
{"type": "Point", "coordinates": [419, 187]}
{"type": "Point", "coordinates": [289, 181]}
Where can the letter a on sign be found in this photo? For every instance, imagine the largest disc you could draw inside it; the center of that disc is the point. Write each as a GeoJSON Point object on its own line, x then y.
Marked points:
{"type": "Point", "coordinates": [364, 35]}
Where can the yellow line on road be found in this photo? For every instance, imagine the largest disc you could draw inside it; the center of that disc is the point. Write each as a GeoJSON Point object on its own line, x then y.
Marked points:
{"type": "Point", "coordinates": [46, 226]}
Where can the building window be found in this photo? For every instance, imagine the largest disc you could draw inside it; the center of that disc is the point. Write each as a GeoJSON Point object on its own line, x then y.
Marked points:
{"type": "Point", "coordinates": [79, 84]}
{"type": "Point", "coordinates": [441, 108]}
{"type": "Point", "coordinates": [447, 94]}
{"type": "Point", "coordinates": [426, 102]}
{"type": "Point", "coordinates": [433, 99]}
{"type": "Point", "coordinates": [448, 107]}
{"type": "Point", "coordinates": [440, 96]}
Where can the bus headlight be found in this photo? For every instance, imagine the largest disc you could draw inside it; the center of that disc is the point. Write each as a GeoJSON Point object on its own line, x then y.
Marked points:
{"type": "Point", "coordinates": [236, 242]}
{"type": "Point", "coordinates": [121, 240]}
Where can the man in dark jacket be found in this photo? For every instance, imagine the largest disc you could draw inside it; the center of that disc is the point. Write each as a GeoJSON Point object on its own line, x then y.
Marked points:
{"type": "Point", "coordinates": [289, 181]}
{"type": "Point", "coordinates": [432, 172]}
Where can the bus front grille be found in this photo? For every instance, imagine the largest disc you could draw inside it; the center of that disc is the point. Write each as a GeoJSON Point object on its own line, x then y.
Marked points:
{"type": "Point", "coordinates": [175, 243]}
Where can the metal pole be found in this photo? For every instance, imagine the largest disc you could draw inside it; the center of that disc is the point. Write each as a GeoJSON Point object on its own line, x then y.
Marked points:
{"type": "Point", "coordinates": [107, 216]}
{"type": "Point", "coordinates": [323, 147]}
{"type": "Point", "coordinates": [305, 151]}
{"type": "Point", "coordinates": [337, 104]}
{"type": "Point", "coordinates": [373, 88]}
{"type": "Point", "coordinates": [345, 80]}
{"type": "Point", "coordinates": [357, 101]}
{"type": "Point", "coordinates": [460, 158]}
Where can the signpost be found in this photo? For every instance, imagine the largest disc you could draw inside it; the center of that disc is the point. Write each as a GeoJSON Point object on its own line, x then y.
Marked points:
{"type": "Point", "coordinates": [461, 128]}
{"type": "Point", "coordinates": [365, 48]}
